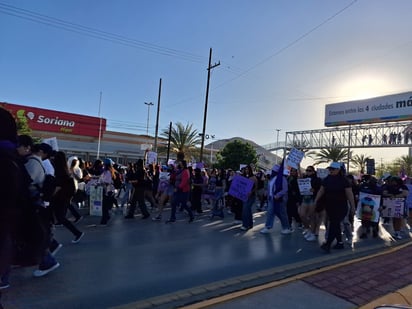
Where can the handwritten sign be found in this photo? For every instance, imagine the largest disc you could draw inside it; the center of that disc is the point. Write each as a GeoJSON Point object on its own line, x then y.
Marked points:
{"type": "Point", "coordinates": [294, 158]}
{"type": "Point", "coordinates": [393, 207]}
{"type": "Point", "coordinates": [305, 186]}
{"type": "Point", "coordinates": [52, 141]}
{"type": "Point", "coordinates": [241, 187]}
{"type": "Point", "coordinates": [368, 207]}
{"type": "Point", "coordinates": [151, 157]}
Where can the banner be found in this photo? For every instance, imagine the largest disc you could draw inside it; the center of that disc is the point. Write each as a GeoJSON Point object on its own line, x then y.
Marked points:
{"type": "Point", "coordinates": [294, 158]}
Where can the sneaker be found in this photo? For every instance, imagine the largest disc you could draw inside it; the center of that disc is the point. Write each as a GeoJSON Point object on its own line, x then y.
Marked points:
{"type": "Point", "coordinates": [244, 228]}
{"type": "Point", "coordinates": [56, 249]}
{"type": "Point", "coordinates": [44, 271]}
{"type": "Point", "coordinates": [265, 230]}
{"type": "Point", "coordinates": [157, 218]}
{"type": "Point", "coordinates": [339, 245]}
{"type": "Point", "coordinates": [286, 231]}
{"type": "Point", "coordinates": [311, 237]}
{"type": "Point", "coordinates": [4, 285]}
{"type": "Point", "coordinates": [77, 239]}
{"type": "Point", "coordinates": [78, 220]}
{"type": "Point", "coordinates": [170, 221]}
{"type": "Point", "coordinates": [397, 235]}
{"type": "Point", "coordinates": [236, 222]}
{"type": "Point", "coordinates": [325, 247]}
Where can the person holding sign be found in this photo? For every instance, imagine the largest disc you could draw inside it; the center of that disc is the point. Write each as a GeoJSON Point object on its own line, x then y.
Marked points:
{"type": "Point", "coordinates": [396, 190]}
{"type": "Point", "coordinates": [309, 186]}
{"type": "Point", "coordinates": [369, 205]}
{"type": "Point", "coordinates": [277, 195]}
{"type": "Point", "coordinates": [247, 216]}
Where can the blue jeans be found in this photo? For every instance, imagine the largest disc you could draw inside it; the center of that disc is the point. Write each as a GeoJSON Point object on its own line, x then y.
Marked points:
{"type": "Point", "coordinates": [247, 217]}
{"type": "Point", "coordinates": [180, 198]}
{"type": "Point", "coordinates": [276, 208]}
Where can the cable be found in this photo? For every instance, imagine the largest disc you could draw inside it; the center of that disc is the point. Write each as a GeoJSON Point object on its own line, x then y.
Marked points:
{"type": "Point", "coordinates": [95, 33]}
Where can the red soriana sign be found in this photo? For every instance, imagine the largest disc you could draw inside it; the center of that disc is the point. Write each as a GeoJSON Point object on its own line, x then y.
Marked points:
{"type": "Point", "coordinates": [54, 121]}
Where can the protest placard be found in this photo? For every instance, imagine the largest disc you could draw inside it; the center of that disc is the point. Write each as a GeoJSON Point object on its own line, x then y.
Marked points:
{"type": "Point", "coordinates": [96, 200]}
{"type": "Point", "coordinates": [241, 187]}
{"type": "Point", "coordinates": [368, 207]}
{"type": "Point", "coordinates": [393, 207]}
{"type": "Point", "coordinates": [305, 186]}
{"type": "Point", "coordinates": [294, 158]}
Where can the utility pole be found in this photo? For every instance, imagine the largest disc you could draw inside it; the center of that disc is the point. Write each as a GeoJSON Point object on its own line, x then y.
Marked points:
{"type": "Point", "coordinates": [210, 66]}
{"type": "Point", "coordinates": [148, 113]}
{"type": "Point", "coordinates": [168, 143]}
{"type": "Point", "coordinates": [157, 116]}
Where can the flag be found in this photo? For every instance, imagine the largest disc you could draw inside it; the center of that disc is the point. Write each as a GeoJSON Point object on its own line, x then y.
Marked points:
{"type": "Point", "coordinates": [279, 177]}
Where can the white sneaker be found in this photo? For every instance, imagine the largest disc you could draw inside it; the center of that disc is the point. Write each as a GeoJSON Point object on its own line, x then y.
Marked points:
{"type": "Point", "coordinates": [311, 237]}
{"type": "Point", "coordinates": [286, 231]}
{"type": "Point", "coordinates": [265, 230]}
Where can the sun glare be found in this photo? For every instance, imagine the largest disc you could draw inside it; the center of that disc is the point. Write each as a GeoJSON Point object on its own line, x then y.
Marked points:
{"type": "Point", "coordinates": [364, 87]}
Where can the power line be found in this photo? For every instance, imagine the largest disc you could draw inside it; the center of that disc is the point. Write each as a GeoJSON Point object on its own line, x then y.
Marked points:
{"type": "Point", "coordinates": [97, 34]}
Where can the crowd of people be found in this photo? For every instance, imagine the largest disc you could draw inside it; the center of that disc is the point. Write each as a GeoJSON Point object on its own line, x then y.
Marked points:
{"type": "Point", "coordinates": [299, 199]}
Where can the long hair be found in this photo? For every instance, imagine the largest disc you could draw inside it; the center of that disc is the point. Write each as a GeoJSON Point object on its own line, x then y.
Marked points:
{"type": "Point", "coordinates": [60, 164]}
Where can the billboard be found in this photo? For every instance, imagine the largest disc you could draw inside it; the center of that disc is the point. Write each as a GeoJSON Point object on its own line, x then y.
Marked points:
{"type": "Point", "coordinates": [397, 107]}
{"type": "Point", "coordinates": [54, 121]}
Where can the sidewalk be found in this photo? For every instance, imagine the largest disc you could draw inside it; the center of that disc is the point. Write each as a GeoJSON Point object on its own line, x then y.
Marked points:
{"type": "Point", "coordinates": [368, 282]}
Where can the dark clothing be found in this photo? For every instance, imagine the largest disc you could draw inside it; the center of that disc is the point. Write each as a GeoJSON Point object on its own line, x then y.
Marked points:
{"type": "Point", "coordinates": [336, 205]}
{"type": "Point", "coordinates": [293, 199]}
{"type": "Point", "coordinates": [138, 193]}
{"type": "Point", "coordinates": [196, 196]}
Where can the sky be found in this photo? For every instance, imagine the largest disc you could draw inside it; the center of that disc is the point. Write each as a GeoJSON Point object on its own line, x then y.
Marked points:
{"type": "Point", "coordinates": [276, 63]}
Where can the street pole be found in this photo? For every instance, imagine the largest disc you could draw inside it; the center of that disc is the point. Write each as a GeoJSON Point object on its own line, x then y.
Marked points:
{"type": "Point", "coordinates": [168, 143]}
{"type": "Point", "coordinates": [100, 128]}
{"type": "Point", "coordinates": [206, 101]}
{"type": "Point", "coordinates": [148, 113]}
{"type": "Point", "coordinates": [157, 116]}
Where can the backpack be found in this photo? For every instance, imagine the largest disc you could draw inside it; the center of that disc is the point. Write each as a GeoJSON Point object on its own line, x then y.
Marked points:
{"type": "Point", "coordinates": [117, 181]}
{"type": "Point", "coordinates": [49, 184]}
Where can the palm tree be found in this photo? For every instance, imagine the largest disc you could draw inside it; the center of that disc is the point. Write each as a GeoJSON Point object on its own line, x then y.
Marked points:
{"type": "Point", "coordinates": [329, 154]}
{"type": "Point", "coordinates": [359, 161]}
{"type": "Point", "coordinates": [183, 139]}
{"type": "Point", "coordinates": [406, 164]}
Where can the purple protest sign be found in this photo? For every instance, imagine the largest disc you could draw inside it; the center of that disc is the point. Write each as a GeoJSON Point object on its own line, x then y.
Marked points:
{"type": "Point", "coordinates": [241, 187]}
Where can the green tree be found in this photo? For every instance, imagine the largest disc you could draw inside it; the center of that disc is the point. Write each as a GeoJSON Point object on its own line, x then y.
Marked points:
{"type": "Point", "coordinates": [329, 154]}
{"type": "Point", "coordinates": [359, 162]}
{"type": "Point", "coordinates": [183, 139]}
{"type": "Point", "coordinates": [405, 163]}
{"type": "Point", "coordinates": [236, 153]}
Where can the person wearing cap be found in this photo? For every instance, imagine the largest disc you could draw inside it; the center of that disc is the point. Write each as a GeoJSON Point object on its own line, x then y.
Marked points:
{"type": "Point", "coordinates": [277, 197]}
{"type": "Point", "coordinates": [335, 192]}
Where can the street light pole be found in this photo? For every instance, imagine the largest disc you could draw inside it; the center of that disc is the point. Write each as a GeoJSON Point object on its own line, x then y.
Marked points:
{"type": "Point", "coordinates": [148, 113]}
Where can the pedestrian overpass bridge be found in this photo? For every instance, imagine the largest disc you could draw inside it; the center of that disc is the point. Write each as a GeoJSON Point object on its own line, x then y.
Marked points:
{"type": "Point", "coordinates": [378, 135]}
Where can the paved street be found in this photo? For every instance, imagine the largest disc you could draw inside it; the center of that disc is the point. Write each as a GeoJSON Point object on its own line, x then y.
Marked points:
{"type": "Point", "coordinates": [137, 261]}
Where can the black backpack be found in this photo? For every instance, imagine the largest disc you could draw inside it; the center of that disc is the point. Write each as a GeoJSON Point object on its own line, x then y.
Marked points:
{"type": "Point", "coordinates": [117, 181]}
